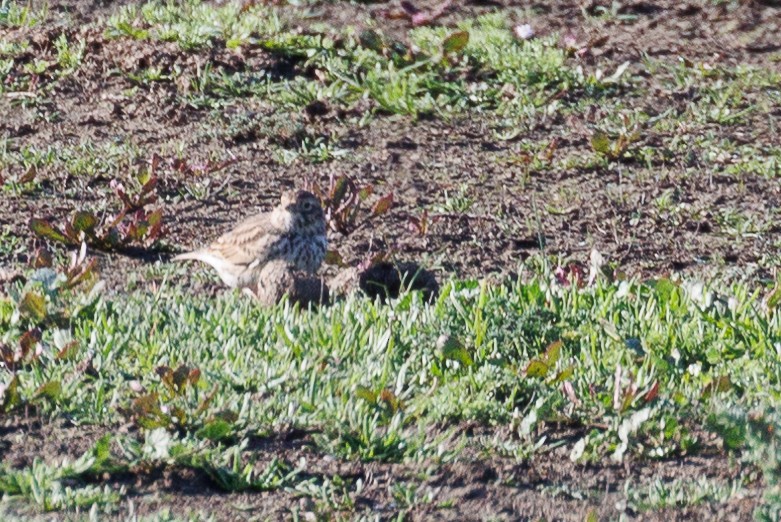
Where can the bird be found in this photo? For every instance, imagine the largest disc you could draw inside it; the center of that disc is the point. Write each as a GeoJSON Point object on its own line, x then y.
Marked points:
{"type": "Point", "coordinates": [278, 279]}
{"type": "Point", "coordinates": [293, 232]}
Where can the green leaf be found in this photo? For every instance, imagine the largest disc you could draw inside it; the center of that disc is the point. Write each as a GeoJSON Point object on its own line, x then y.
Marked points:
{"type": "Point", "coordinates": [50, 390]}
{"type": "Point", "coordinates": [339, 191]}
{"type": "Point", "coordinates": [365, 192]}
{"type": "Point", "coordinates": [9, 395]}
{"type": "Point", "coordinates": [45, 230]}
{"type": "Point", "coordinates": [455, 42]}
{"type": "Point", "coordinates": [731, 427]}
{"type": "Point", "coordinates": [155, 218]}
{"type": "Point", "coordinates": [774, 299]}
{"type": "Point", "coordinates": [333, 257]}
{"type": "Point", "coordinates": [84, 222]}
{"type": "Point", "coordinates": [457, 352]}
{"type": "Point", "coordinates": [371, 39]}
{"type": "Point", "coordinates": [537, 368]}
{"type": "Point", "coordinates": [600, 142]}
{"type": "Point", "coordinates": [362, 392]}
{"type": "Point", "coordinates": [101, 451]}
{"type": "Point", "coordinates": [563, 375]}
{"type": "Point", "coordinates": [664, 289]}
{"type": "Point", "coordinates": [552, 352]}
{"type": "Point", "coordinates": [33, 305]}
{"type": "Point", "coordinates": [148, 183]}
{"type": "Point", "coordinates": [216, 430]}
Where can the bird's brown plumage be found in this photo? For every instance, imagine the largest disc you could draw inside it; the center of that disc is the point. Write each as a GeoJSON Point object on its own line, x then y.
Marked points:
{"type": "Point", "coordinates": [294, 232]}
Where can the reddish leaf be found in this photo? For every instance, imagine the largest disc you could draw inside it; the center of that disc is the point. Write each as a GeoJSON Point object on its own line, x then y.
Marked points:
{"type": "Point", "coordinates": [652, 393]}
{"type": "Point", "coordinates": [365, 192]}
{"type": "Point", "coordinates": [29, 175]}
{"type": "Point", "coordinates": [149, 185]}
{"type": "Point", "coordinates": [7, 355]}
{"type": "Point", "coordinates": [81, 273]}
{"type": "Point", "coordinates": [29, 341]}
{"type": "Point", "coordinates": [42, 258]}
{"type": "Point", "coordinates": [383, 205]}
{"type": "Point", "coordinates": [194, 376]}
{"type": "Point", "coordinates": [68, 351]}
{"type": "Point", "coordinates": [389, 398]}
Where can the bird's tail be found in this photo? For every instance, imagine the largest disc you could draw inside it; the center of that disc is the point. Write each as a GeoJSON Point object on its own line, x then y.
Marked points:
{"type": "Point", "coordinates": [187, 256]}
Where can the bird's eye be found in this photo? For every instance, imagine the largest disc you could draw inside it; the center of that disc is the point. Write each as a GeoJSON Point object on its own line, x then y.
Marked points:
{"type": "Point", "coordinates": [306, 205]}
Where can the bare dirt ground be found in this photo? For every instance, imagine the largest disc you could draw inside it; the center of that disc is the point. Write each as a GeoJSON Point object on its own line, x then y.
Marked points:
{"type": "Point", "coordinates": [509, 219]}
{"type": "Point", "coordinates": [474, 488]}
{"type": "Point", "coordinates": [564, 209]}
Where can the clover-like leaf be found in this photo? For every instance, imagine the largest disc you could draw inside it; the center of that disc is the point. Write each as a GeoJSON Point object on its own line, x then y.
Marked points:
{"type": "Point", "coordinates": [552, 352]}
{"type": "Point", "coordinates": [457, 352]}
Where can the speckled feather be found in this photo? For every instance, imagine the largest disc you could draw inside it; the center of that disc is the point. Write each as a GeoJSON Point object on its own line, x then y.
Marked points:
{"type": "Point", "coordinates": [294, 232]}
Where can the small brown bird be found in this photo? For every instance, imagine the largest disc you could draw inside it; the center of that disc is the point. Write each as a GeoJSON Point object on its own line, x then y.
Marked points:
{"type": "Point", "coordinates": [278, 279]}
{"type": "Point", "coordinates": [293, 232]}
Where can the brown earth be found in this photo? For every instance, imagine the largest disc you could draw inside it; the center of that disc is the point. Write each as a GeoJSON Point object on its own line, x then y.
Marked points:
{"type": "Point", "coordinates": [567, 211]}
{"type": "Point", "coordinates": [474, 487]}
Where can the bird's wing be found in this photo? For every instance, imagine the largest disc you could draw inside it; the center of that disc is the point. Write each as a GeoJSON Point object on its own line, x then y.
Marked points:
{"type": "Point", "coordinates": [251, 240]}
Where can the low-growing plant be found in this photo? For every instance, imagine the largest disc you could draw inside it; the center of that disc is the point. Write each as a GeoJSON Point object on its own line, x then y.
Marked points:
{"type": "Point", "coordinates": [616, 146]}
{"type": "Point", "coordinates": [64, 485]}
{"type": "Point", "coordinates": [132, 225]}
{"type": "Point", "coordinates": [343, 203]}
{"type": "Point", "coordinates": [20, 183]}
{"type": "Point", "coordinates": [180, 407]}
{"type": "Point", "coordinates": [50, 299]}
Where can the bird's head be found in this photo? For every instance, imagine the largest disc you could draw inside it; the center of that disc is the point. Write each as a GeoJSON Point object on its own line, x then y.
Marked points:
{"type": "Point", "coordinates": [304, 207]}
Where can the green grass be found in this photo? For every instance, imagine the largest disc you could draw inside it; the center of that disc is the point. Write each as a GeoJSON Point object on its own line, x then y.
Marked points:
{"type": "Point", "coordinates": [646, 364]}
{"type": "Point", "coordinates": [20, 14]}
{"type": "Point", "coordinates": [635, 370]}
